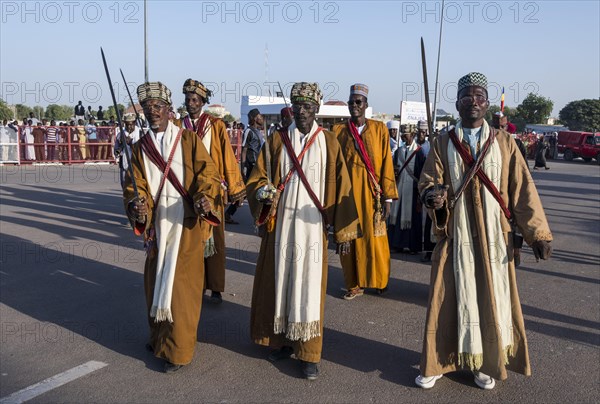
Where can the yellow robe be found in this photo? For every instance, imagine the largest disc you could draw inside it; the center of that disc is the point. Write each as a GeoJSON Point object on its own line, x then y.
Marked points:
{"type": "Point", "coordinates": [368, 263]}
{"type": "Point", "coordinates": [175, 342]}
{"type": "Point", "coordinates": [341, 213]}
{"type": "Point", "coordinates": [228, 168]}
{"type": "Point", "coordinates": [440, 344]}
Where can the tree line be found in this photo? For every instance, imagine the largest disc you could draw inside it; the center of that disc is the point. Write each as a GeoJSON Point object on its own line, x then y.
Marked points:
{"type": "Point", "coordinates": [52, 111]}
{"type": "Point", "coordinates": [580, 115]}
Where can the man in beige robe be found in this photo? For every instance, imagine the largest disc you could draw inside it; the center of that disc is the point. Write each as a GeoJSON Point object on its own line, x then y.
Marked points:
{"type": "Point", "coordinates": [213, 134]}
{"type": "Point", "coordinates": [174, 216]}
{"type": "Point", "coordinates": [288, 298]}
{"type": "Point", "coordinates": [474, 319]}
{"type": "Point", "coordinates": [368, 263]}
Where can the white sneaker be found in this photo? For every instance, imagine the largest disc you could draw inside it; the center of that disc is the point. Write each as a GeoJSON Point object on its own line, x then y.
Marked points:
{"type": "Point", "coordinates": [427, 382]}
{"type": "Point", "coordinates": [484, 381]}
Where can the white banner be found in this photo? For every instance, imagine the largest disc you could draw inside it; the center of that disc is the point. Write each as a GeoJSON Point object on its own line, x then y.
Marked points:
{"type": "Point", "coordinates": [412, 112]}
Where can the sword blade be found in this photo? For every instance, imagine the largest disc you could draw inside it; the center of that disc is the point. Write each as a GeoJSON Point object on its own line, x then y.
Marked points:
{"type": "Point", "coordinates": [121, 131]}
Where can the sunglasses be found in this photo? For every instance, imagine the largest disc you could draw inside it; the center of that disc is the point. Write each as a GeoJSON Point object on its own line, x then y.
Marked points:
{"type": "Point", "coordinates": [355, 102]}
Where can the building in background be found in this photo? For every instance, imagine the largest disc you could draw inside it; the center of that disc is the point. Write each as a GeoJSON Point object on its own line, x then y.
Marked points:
{"type": "Point", "coordinates": [330, 113]}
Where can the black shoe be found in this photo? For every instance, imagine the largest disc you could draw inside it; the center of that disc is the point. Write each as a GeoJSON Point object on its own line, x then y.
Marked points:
{"type": "Point", "coordinates": [171, 367]}
{"type": "Point", "coordinates": [381, 291]}
{"type": "Point", "coordinates": [216, 297]}
{"type": "Point", "coordinates": [229, 219]}
{"type": "Point", "coordinates": [149, 348]}
{"type": "Point", "coordinates": [310, 370]}
{"type": "Point", "coordinates": [282, 353]}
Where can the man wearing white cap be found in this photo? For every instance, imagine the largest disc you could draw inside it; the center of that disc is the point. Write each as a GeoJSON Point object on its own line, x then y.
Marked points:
{"type": "Point", "coordinates": [366, 147]}
{"type": "Point", "coordinates": [476, 187]}
{"type": "Point", "coordinates": [177, 183]}
{"type": "Point", "coordinates": [393, 128]}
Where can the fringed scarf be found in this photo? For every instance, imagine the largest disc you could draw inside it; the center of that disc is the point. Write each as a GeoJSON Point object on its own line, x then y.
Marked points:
{"type": "Point", "coordinates": [299, 248]}
{"type": "Point", "coordinates": [168, 222]}
{"type": "Point", "coordinates": [470, 347]}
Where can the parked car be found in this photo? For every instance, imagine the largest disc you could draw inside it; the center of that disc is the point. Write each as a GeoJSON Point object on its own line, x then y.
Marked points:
{"type": "Point", "coordinates": [579, 144]}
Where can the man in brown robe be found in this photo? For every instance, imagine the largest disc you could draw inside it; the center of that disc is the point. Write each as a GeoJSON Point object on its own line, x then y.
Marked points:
{"type": "Point", "coordinates": [474, 319]}
{"type": "Point", "coordinates": [174, 215]}
{"type": "Point", "coordinates": [288, 298]}
{"type": "Point", "coordinates": [366, 146]}
{"type": "Point", "coordinates": [39, 134]}
{"type": "Point", "coordinates": [213, 134]}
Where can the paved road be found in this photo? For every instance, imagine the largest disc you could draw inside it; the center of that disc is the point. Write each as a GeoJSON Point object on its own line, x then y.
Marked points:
{"type": "Point", "coordinates": [71, 293]}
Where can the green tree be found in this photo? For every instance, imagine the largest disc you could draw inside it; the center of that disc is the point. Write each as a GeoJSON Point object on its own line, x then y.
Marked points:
{"type": "Point", "coordinates": [38, 112]}
{"type": "Point", "coordinates": [583, 115]}
{"type": "Point", "coordinates": [5, 111]}
{"type": "Point", "coordinates": [535, 109]}
{"type": "Point", "coordinates": [22, 111]}
{"type": "Point", "coordinates": [59, 112]}
{"type": "Point", "coordinates": [111, 112]}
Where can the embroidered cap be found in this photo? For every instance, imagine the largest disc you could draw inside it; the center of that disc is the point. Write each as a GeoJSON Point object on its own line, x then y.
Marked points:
{"type": "Point", "coordinates": [196, 87]}
{"type": "Point", "coordinates": [129, 117]}
{"type": "Point", "coordinates": [154, 90]}
{"type": "Point", "coordinates": [472, 79]}
{"type": "Point", "coordinates": [359, 89]}
{"type": "Point", "coordinates": [308, 92]}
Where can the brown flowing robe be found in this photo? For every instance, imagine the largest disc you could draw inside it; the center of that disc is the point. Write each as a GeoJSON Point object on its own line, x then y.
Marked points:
{"type": "Point", "coordinates": [228, 168]}
{"type": "Point", "coordinates": [175, 342]}
{"type": "Point", "coordinates": [368, 263]}
{"type": "Point", "coordinates": [518, 191]}
{"type": "Point", "coordinates": [341, 214]}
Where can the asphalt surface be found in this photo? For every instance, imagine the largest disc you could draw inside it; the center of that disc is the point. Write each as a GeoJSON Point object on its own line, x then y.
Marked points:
{"type": "Point", "coordinates": [71, 291]}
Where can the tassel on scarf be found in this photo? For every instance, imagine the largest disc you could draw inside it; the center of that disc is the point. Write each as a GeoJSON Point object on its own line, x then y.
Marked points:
{"type": "Point", "coordinates": [297, 331]}
{"type": "Point", "coordinates": [161, 314]}
{"type": "Point", "coordinates": [273, 212]}
{"type": "Point", "coordinates": [473, 362]}
{"type": "Point", "coordinates": [209, 248]}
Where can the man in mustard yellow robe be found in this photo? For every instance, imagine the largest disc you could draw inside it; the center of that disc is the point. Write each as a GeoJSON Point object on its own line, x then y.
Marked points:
{"type": "Point", "coordinates": [288, 298]}
{"type": "Point", "coordinates": [213, 134]}
{"type": "Point", "coordinates": [370, 164]}
{"type": "Point", "coordinates": [174, 217]}
{"type": "Point", "coordinates": [474, 319]}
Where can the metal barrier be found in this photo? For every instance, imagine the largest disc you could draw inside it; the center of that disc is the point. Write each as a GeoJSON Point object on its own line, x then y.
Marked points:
{"type": "Point", "coordinates": [72, 145]}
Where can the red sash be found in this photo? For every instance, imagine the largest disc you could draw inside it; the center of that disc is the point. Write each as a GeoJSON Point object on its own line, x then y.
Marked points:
{"type": "Point", "coordinates": [267, 210]}
{"type": "Point", "coordinates": [413, 154]}
{"type": "Point", "coordinates": [200, 125]}
{"type": "Point", "coordinates": [298, 168]}
{"type": "Point", "coordinates": [156, 158]}
{"type": "Point", "coordinates": [475, 168]}
{"type": "Point", "coordinates": [362, 151]}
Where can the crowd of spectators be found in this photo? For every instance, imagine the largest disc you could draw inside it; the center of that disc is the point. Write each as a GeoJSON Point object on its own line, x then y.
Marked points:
{"type": "Point", "coordinates": [86, 137]}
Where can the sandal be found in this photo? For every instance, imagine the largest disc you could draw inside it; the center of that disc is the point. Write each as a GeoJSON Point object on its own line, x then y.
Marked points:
{"type": "Point", "coordinates": [352, 293]}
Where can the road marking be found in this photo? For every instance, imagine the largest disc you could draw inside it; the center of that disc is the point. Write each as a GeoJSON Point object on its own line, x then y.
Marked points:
{"type": "Point", "coordinates": [52, 382]}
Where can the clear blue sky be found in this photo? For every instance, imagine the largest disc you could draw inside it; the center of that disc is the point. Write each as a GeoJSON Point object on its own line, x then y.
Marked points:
{"type": "Point", "coordinates": [50, 50]}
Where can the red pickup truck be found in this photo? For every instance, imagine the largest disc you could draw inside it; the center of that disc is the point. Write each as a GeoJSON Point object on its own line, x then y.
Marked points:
{"type": "Point", "coordinates": [579, 144]}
